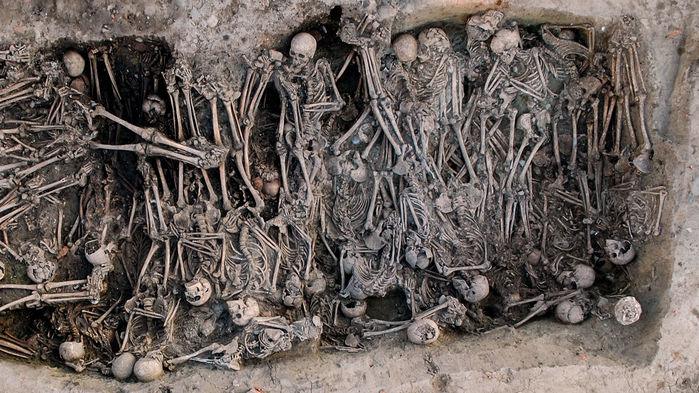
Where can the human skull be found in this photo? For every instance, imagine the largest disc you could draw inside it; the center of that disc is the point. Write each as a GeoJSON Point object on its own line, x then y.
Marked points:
{"type": "Point", "coordinates": [74, 63]}
{"type": "Point", "coordinates": [582, 276]}
{"type": "Point", "coordinates": [122, 366]}
{"type": "Point", "coordinates": [197, 291]}
{"type": "Point", "coordinates": [474, 289]}
{"type": "Point", "coordinates": [38, 268]}
{"type": "Point", "coordinates": [432, 43]}
{"type": "Point", "coordinates": [405, 48]}
{"type": "Point", "coordinates": [243, 311]}
{"type": "Point", "coordinates": [455, 312]}
{"type": "Point", "coordinates": [353, 308]}
{"type": "Point", "coordinates": [149, 368]}
{"type": "Point", "coordinates": [98, 254]}
{"type": "Point", "coordinates": [423, 331]}
{"type": "Point", "coordinates": [153, 106]}
{"type": "Point", "coordinates": [316, 284]}
{"type": "Point", "coordinates": [570, 311]}
{"type": "Point", "coordinates": [505, 44]}
{"type": "Point", "coordinates": [71, 351]}
{"type": "Point", "coordinates": [293, 293]}
{"type": "Point", "coordinates": [274, 340]}
{"type": "Point", "coordinates": [418, 257]}
{"type": "Point", "coordinates": [620, 252]}
{"type": "Point", "coordinates": [481, 27]}
{"type": "Point", "coordinates": [302, 49]}
{"type": "Point", "coordinates": [627, 310]}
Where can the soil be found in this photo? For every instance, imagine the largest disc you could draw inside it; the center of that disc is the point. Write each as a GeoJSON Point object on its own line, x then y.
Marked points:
{"type": "Point", "coordinates": [656, 354]}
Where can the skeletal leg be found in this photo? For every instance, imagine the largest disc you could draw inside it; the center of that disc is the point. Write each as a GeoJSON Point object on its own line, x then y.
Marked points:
{"type": "Point", "coordinates": [222, 168]}
{"type": "Point", "coordinates": [177, 116]}
{"type": "Point", "coordinates": [608, 110]}
{"type": "Point", "coordinates": [94, 75]}
{"type": "Point", "coordinates": [161, 175]}
{"type": "Point", "coordinates": [350, 132]}
{"type": "Point", "coordinates": [182, 359]}
{"type": "Point", "coordinates": [556, 148]}
{"type": "Point", "coordinates": [462, 145]}
{"type": "Point", "coordinates": [574, 114]}
{"type": "Point", "coordinates": [627, 120]}
{"type": "Point", "coordinates": [112, 79]}
{"type": "Point", "coordinates": [154, 246]}
{"type": "Point", "coordinates": [304, 171]}
{"type": "Point", "coordinates": [661, 202]}
{"type": "Point", "coordinates": [527, 163]}
{"type": "Point", "coordinates": [238, 156]}
{"type": "Point", "coordinates": [368, 223]}
{"type": "Point", "coordinates": [149, 134]}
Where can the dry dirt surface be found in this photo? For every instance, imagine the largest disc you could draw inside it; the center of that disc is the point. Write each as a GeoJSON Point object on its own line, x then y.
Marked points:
{"type": "Point", "coordinates": [658, 354]}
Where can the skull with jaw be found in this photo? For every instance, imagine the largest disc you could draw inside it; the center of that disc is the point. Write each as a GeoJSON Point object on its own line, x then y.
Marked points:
{"type": "Point", "coordinates": [482, 27]}
{"type": "Point", "coordinates": [423, 331]}
{"type": "Point", "coordinates": [39, 269]}
{"type": "Point", "coordinates": [620, 252]}
{"type": "Point", "coordinates": [582, 276]}
{"type": "Point", "coordinates": [197, 291]}
{"type": "Point", "coordinates": [243, 311]}
{"type": "Point", "coordinates": [474, 289]}
{"type": "Point", "coordinates": [571, 311]}
{"type": "Point", "coordinates": [293, 291]}
{"type": "Point", "coordinates": [433, 43]}
{"type": "Point", "coordinates": [505, 44]}
{"type": "Point", "coordinates": [301, 51]}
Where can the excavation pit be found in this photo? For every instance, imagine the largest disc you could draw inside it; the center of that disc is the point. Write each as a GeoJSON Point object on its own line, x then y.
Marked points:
{"type": "Point", "coordinates": [540, 343]}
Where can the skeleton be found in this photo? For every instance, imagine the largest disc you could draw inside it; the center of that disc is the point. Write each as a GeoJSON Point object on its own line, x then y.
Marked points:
{"type": "Point", "coordinates": [479, 28]}
{"type": "Point", "coordinates": [369, 42]}
{"type": "Point", "coordinates": [303, 85]}
{"type": "Point", "coordinates": [627, 79]}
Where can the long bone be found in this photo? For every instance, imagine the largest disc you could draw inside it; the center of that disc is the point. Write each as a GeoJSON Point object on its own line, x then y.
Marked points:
{"type": "Point", "coordinates": [146, 149]}
{"type": "Point", "coordinates": [94, 75]}
{"type": "Point", "coordinates": [238, 145]}
{"type": "Point", "coordinates": [257, 78]}
{"type": "Point", "coordinates": [466, 129]}
{"type": "Point", "coordinates": [627, 120]}
{"type": "Point", "coordinates": [112, 78]}
{"type": "Point", "coordinates": [574, 115]}
{"type": "Point", "coordinates": [510, 207]}
{"type": "Point", "coordinates": [642, 161]}
{"type": "Point", "coordinates": [185, 75]}
{"type": "Point", "coordinates": [211, 94]}
{"type": "Point", "coordinates": [289, 95]}
{"type": "Point", "coordinates": [585, 193]}
{"type": "Point", "coordinates": [656, 227]}
{"type": "Point", "coordinates": [51, 298]}
{"type": "Point", "coordinates": [163, 182]}
{"type": "Point", "coordinates": [174, 94]}
{"type": "Point", "coordinates": [369, 222]}
{"type": "Point", "coordinates": [201, 159]}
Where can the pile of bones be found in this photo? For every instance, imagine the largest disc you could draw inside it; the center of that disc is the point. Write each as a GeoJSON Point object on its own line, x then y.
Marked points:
{"type": "Point", "coordinates": [469, 176]}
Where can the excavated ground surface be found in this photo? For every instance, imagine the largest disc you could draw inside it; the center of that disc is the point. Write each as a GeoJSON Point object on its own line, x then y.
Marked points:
{"type": "Point", "coordinates": [658, 353]}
